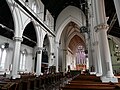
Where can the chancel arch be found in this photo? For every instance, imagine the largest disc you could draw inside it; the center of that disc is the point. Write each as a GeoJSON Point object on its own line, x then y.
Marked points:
{"type": "Point", "coordinates": [61, 23]}
{"type": "Point", "coordinates": [77, 59]}
{"type": "Point", "coordinates": [70, 40]}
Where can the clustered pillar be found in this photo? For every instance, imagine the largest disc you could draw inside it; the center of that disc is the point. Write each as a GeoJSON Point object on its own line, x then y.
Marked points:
{"type": "Point", "coordinates": [39, 56]}
{"type": "Point", "coordinates": [101, 29]}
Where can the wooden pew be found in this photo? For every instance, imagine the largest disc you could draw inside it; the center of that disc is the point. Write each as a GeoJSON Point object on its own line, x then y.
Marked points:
{"type": "Point", "coordinates": [37, 83]}
{"type": "Point", "coordinates": [87, 88]}
{"type": "Point", "coordinates": [92, 84]}
{"type": "Point", "coordinates": [87, 77]}
{"type": "Point", "coordinates": [83, 82]}
{"type": "Point", "coordinates": [17, 83]}
{"type": "Point", "coordinates": [27, 82]}
{"type": "Point", "coordinates": [31, 82]}
{"type": "Point", "coordinates": [7, 86]}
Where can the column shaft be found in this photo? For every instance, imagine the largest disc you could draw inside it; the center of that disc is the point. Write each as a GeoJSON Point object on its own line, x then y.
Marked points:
{"type": "Point", "coordinates": [39, 58]}
{"type": "Point", "coordinates": [98, 59]}
{"type": "Point", "coordinates": [56, 55]}
{"type": "Point", "coordinates": [96, 41]}
{"type": "Point", "coordinates": [64, 65]}
{"type": "Point", "coordinates": [15, 65]}
{"type": "Point", "coordinates": [101, 28]}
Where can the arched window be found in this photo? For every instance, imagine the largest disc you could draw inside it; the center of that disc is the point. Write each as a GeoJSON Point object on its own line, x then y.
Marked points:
{"type": "Point", "coordinates": [3, 54]}
{"type": "Point", "coordinates": [22, 60]}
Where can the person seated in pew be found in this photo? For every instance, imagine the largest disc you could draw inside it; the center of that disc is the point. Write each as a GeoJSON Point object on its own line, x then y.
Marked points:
{"type": "Point", "coordinates": [4, 74]}
{"type": "Point", "coordinates": [87, 72]}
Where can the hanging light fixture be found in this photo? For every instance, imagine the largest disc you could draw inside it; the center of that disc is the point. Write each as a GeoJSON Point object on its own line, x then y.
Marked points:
{"type": "Point", "coordinates": [83, 29]}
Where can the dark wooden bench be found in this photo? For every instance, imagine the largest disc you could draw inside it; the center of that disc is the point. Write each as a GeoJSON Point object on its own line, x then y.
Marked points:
{"type": "Point", "coordinates": [7, 86]}
{"type": "Point", "coordinates": [87, 82]}
{"type": "Point", "coordinates": [27, 82]}
{"type": "Point", "coordinates": [87, 77]}
{"type": "Point", "coordinates": [87, 88]}
{"type": "Point", "coordinates": [92, 84]}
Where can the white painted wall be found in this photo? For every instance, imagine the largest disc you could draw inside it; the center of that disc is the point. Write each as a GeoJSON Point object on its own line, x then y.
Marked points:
{"type": "Point", "coordinates": [10, 53]}
{"type": "Point", "coordinates": [40, 10]}
{"type": "Point", "coordinates": [29, 57]}
{"type": "Point", "coordinates": [49, 20]}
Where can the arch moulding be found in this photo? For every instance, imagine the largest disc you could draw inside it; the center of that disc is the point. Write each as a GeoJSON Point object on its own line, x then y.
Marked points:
{"type": "Point", "coordinates": [65, 17]}
{"type": "Point", "coordinates": [62, 26]}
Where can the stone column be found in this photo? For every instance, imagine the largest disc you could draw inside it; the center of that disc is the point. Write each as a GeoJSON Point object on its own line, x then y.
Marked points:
{"type": "Point", "coordinates": [87, 63]}
{"type": "Point", "coordinates": [39, 58]}
{"type": "Point", "coordinates": [51, 59]}
{"type": "Point", "coordinates": [117, 7]}
{"type": "Point", "coordinates": [93, 49]}
{"type": "Point", "coordinates": [92, 62]}
{"type": "Point", "coordinates": [51, 52]}
{"type": "Point", "coordinates": [95, 44]}
{"type": "Point", "coordinates": [64, 65]}
{"type": "Point", "coordinates": [56, 55]}
{"type": "Point", "coordinates": [107, 72]}
{"type": "Point", "coordinates": [101, 28]}
{"type": "Point", "coordinates": [98, 58]}
{"type": "Point", "coordinates": [90, 53]}
{"type": "Point", "coordinates": [16, 56]}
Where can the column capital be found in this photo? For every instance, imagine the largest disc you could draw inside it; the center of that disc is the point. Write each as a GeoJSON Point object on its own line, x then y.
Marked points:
{"type": "Point", "coordinates": [101, 26]}
{"type": "Point", "coordinates": [18, 39]}
{"type": "Point", "coordinates": [39, 50]}
{"type": "Point", "coordinates": [57, 43]}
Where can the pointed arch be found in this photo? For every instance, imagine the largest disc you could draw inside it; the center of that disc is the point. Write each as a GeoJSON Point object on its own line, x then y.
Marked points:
{"type": "Point", "coordinates": [6, 20]}
{"type": "Point", "coordinates": [16, 18]}
{"type": "Point", "coordinates": [76, 17]}
{"type": "Point", "coordinates": [47, 42]}
{"type": "Point", "coordinates": [72, 35]}
{"type": "Point", "coordinates": [30, 34]}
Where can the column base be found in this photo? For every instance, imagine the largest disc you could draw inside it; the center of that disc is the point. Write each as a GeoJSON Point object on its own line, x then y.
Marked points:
{"type": "Point", "coordinates": [38, 74]}
{"type": "Point", "coordinates": [92, 73]}
{"type": "Point", "coordinates": [109, 79]}
{"type": "Point", "coordinates": [109, 74]}
{"type": "Point", "coordinates": [98, 74]}
{"type": "Point", "coordinates": [15, 76]}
